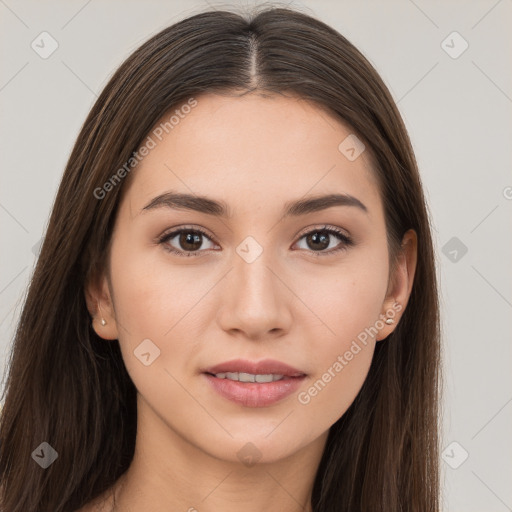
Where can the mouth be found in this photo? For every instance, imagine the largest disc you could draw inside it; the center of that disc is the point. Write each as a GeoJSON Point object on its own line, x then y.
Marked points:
{"type": "Point", "coordinates": [254, 384]}
{"type": "Point", "coordinates": [250, 377]}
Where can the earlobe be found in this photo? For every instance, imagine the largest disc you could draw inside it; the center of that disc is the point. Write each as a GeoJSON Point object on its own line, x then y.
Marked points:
{"type": "Point", "coordinates": [389, 320]}
{"type": "Point", "coordinates": [100, 307]}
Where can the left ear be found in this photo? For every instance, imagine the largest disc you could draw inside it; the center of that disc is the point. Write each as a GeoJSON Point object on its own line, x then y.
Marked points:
{"type": "Point", "coordinates": [400, 284]}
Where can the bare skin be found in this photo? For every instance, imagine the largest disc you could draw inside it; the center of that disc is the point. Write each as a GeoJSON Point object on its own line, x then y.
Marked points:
{"type": "Point", "coordinates": [295, 303]}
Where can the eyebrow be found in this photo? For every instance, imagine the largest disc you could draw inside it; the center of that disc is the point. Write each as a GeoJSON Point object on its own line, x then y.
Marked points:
{"type": "Point", "coordinates": [217, 208]}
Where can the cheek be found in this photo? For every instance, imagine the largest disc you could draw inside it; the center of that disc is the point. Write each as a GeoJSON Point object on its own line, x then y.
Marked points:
{"type": "Point", "coordinates": [341, 360]}
{"type": "Point", "coordinates": [152, 296]}
{"type": "Point", "coordinates": [330, 392]}
{"type": "Point", "coordinates": [349, 307]}
{"type": "Point", "coordinates": [346, 299]}
{"type": "Point", "coordinates": [152, 302]}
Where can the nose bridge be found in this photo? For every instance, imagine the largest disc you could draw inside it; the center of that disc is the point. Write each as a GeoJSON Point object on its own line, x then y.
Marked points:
{"type": "Point", "coordinates": [253, 279]}
{"type": "Point", "coordinates": [254, 300]}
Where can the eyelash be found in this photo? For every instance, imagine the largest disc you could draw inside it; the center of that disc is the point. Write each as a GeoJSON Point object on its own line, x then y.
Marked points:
{"type": "Point", "coordinates": [346, 241]}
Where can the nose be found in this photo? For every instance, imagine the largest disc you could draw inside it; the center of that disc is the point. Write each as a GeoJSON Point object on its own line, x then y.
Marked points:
{"type": "Point", "coordinates": [255, 303]}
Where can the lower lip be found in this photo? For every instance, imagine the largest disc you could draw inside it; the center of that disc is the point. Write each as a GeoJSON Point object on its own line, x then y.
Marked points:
{"type": "Point", "coordinates": [253, 394]}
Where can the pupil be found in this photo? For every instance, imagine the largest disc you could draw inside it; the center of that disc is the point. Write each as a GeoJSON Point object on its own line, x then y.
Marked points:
{"type": "Point", "coordinates": [323, 239]}
{"type": "Point", "coordinates": [189, 239]}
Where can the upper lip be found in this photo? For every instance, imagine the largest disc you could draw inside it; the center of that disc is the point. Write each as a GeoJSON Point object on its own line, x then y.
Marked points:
{"type": "Point", "coordinates": [264, 367]}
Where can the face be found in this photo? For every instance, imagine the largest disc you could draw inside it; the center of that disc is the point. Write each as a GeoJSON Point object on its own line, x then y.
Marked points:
{"type": "Point", "coordinates": [260, 291]}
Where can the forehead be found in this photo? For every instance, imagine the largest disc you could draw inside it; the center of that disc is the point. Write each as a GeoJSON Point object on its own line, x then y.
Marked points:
{"type": "Point", "coordinates": [250, 148]}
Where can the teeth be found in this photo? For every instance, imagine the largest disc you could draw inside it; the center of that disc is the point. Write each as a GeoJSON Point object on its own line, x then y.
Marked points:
{"type": "Point", "coordinates": [249, 377]}
{"type": "Point", "coordinates": [265, 378]}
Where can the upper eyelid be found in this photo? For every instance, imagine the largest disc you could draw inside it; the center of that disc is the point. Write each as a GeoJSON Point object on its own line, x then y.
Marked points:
{"type": "Point", "coordinates": [324, 227]}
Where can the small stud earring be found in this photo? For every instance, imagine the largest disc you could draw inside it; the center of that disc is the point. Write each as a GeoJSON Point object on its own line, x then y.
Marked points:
{"type": "Point", "coordinates": [389, 321]}
{"type": "Point", "coordinates": [103, 322]}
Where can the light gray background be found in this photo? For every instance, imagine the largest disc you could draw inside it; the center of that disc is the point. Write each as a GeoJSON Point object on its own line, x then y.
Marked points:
{"type": "Point", "coordinates": [458, 112]}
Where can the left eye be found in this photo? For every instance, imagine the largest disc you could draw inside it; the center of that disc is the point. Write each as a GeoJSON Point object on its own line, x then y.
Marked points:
{"type": "Point", "coordinates": [320, 241]}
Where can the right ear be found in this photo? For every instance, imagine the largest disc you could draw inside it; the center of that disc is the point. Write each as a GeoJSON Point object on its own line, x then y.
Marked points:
{"type": "Point", "coordinates": [99, 304]}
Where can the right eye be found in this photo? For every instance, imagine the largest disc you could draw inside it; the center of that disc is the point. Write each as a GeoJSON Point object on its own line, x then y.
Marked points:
{"type": "Point", "coordinates": [188, 240]}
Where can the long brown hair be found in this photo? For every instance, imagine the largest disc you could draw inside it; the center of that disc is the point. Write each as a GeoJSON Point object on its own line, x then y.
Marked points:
{"type": "Point", "coordinates": [69, 388]}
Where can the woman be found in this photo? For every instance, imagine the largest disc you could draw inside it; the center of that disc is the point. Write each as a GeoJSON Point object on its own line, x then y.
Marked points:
{"type": "Point", "coordinates": [235, 305]}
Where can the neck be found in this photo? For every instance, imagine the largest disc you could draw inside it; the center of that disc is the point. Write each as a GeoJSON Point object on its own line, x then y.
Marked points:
{"type": "Point", "coordinates": [169, 473]}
